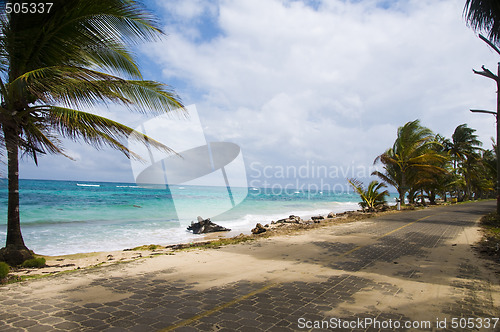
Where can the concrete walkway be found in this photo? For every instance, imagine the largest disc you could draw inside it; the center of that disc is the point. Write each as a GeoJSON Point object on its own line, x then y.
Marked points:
{"type": "Point", "coordinates": [410, 271]}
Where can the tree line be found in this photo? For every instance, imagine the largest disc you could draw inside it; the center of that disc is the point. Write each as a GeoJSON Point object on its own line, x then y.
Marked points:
{"type": "Point", "coordinates": [423, 166]}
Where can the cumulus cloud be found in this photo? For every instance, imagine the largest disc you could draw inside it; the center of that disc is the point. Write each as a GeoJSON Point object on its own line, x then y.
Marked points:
{"type": "Point", "coordinates": [324, 81]}
{"type": "Point", "coordinates": [331, 80]}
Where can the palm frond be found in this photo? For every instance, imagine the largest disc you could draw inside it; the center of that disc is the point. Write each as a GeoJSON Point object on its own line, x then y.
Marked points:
{"type": "Point", "coordinates": [95, 130]}
{"type": "Point", "coordinates": [37, 139]}
{"type": "Point", "coordinates": [80, 87]}
{"type": "Point", "coordinates": [87, 33]}
{"type": "Point", "coordinates": [386, 178]}
{"type": "Point", "coordinates": [484, 15]}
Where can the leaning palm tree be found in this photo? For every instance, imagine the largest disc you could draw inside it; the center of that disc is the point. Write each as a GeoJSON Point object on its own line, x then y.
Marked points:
{"type": "Point", "coordinates": [484, 15]}
{"type": "Point", "coordinates": [413, 151]}
{"type": "Point", "coordinates": [463, 143]}
{"type": "Point", "coordinates": [56, 64]}
{"type": "Point", "coordinates": [463, 149]}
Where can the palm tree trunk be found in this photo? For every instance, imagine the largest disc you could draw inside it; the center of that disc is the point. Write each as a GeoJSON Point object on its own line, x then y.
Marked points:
{"type": "Point", "coordinates": [402, 193]}
{"type": "Point", "coordinates": [15, 251]}
{"type": "Point", "coordinates": [14, 236]}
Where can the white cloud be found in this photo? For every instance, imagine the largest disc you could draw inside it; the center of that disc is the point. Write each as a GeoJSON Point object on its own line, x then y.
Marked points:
{"type": "Point", "coordinates": [291, 82]}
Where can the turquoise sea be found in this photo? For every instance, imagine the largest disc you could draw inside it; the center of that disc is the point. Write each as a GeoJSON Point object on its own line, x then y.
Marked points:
{"type": "Point", "coordinates": [65, 217]}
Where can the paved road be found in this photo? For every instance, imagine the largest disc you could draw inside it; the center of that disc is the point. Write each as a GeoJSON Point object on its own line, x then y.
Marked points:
{"type": "Point", "coordinates": [404, 268]}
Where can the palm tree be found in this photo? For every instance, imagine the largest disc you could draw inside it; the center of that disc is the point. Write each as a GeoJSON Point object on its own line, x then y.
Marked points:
{"type": "Point", "coordinates": [484, 15]}
{"type": "Point", "coordinates": [434, 183]}
{"type": "Point", "coordinates": [485, 179]}
{"type": "Point", "coordinates": [372, 197]}
{"type": "Point", "coordinates": [463, 143]}
{"type": "Point", "coordinates": [55, 63]}
{"type": "Point", "coordinates": [463, 148]}
{"type": "Point", "coordinates": [413, 151]}
{"type": "Point", "coordinates": [490, 162]}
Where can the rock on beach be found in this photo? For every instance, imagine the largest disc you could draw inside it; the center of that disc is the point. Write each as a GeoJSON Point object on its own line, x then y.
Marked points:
{"type": "Point", "coordinates": [206, 226]}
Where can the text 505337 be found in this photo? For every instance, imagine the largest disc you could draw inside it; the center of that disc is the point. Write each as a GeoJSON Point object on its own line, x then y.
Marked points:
{"type": "Point", "coordinates": [28, 7]}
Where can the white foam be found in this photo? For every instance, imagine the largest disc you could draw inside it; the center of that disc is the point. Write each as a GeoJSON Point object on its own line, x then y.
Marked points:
{"type": "Point", "coordinates": [119, 236]}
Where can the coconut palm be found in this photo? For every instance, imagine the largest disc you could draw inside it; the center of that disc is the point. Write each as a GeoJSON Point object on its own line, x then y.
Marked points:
{"type": "Point", "coordinates": [434, 183]}
{"type": "Point", "coordinates": [484, 15]}
{"type": "Point", "coordinates": [413, 151]}
{"type": "Point", "coordinates": [463, 148]}
{"type": "Point", "coordinates": [372, 197]}
{"type": "Point", "coordinates": [54, 66]}
{"type": "Point", "coordinates": [490, 161]}
{"type": "Point", "coordinates": [463, 143]}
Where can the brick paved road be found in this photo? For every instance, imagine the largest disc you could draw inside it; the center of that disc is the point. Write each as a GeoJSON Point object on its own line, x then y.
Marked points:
{"type": "Point", "coordinates": [401, 267]}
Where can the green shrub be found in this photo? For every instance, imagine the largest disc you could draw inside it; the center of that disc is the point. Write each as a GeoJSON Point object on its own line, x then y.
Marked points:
{"type": "Point", "coordinates": [4, 270]}
{"type": "Point", "coordinates": [34, 262]}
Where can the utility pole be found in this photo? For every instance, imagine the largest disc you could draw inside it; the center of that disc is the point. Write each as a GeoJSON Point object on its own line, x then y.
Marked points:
{"type": "Point", "coordinates": [487, 73]}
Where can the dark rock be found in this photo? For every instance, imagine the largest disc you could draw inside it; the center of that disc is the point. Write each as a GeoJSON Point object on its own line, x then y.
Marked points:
{"type": "Point", "coordinates": [206, 226]}
{"type": "Point", "coordinates": [291, 219]}
{"type": "Point", "coordinates": [317, 219]}
{"type": "Point", "coordinates": [331, 215]}
{"type": "Point", "coordinates": [258, 229]}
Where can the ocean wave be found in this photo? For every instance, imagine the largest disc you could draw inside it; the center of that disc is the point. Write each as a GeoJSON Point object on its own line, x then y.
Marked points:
{"type": "Point", "coordinates": [251, 219]}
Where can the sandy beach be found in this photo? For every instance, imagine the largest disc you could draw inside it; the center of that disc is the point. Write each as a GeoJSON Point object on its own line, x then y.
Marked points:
{"type": "Point", "coordinates": [65, 263]}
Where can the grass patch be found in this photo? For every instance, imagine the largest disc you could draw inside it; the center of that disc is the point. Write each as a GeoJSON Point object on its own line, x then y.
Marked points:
{"type": "Point", "coordinates": [214, 244]}
{"type": "Point", "coordinates": [147, 247]}
{"type": "Point", "coordinates": [489, 246]}
{"type": "Point", "coordinates": [4, 270]}
{"type": "Point", "coordinates": [34, 262]}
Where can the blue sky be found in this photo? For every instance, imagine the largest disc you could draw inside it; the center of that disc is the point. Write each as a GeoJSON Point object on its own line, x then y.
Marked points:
{"type": "Point", "coordinates": [301, 83]}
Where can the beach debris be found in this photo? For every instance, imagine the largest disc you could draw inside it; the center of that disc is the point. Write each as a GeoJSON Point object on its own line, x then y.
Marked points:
{"type": "Point", "coordinates": [258, 229]}
{"type": "Point", "coordinates": [292, 219]}
{"type": "Point", "coordinates": [205, 226]}
{"type": "Point", "coordinates": [347, 214]}
{"type": "Point", "coordinates": [64, 265]}
{"type": "Point", "coordinates": [317, 219]}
